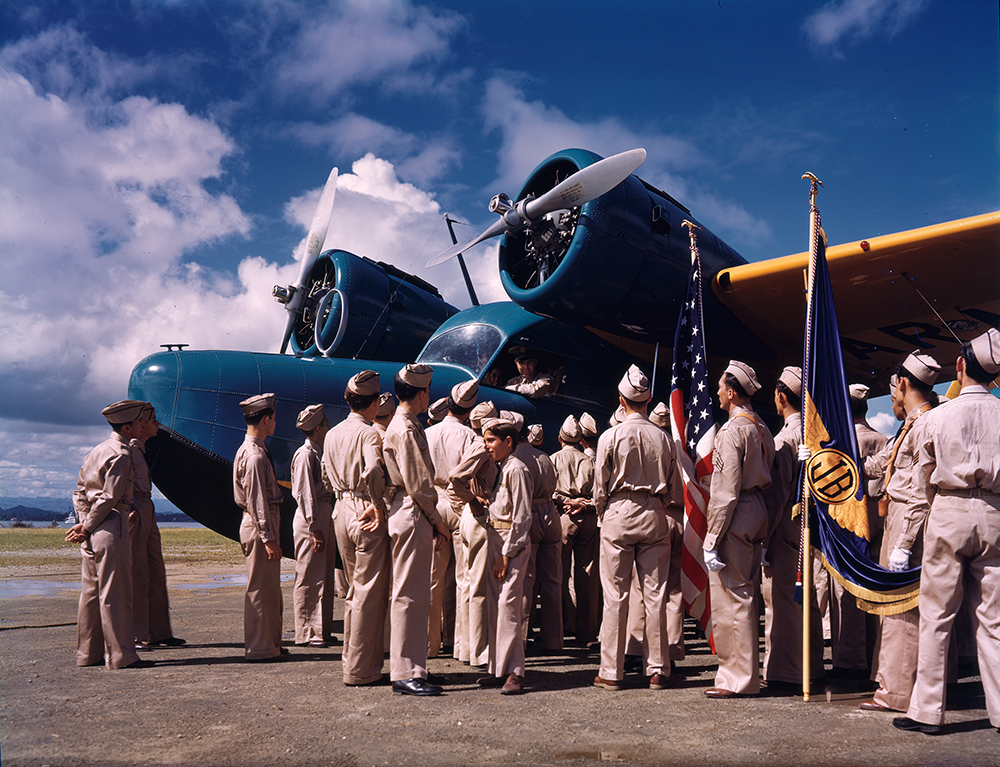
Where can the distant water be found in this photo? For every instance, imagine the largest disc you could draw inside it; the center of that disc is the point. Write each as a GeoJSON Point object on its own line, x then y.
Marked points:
{"type": "Point", "coordinates": [161, 525]}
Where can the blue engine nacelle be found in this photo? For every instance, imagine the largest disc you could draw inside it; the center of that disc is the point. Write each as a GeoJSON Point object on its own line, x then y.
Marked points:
{"type": "Point", "coordinates": [618, 263]}
{"type": "Point", "coordinates": [359, 308]}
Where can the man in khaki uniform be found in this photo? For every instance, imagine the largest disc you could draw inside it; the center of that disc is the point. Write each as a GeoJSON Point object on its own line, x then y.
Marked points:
{"type": "Point", "coordinates": [959, 469]}
{"type": "Point", "coordinates": [447, 442]}
{"type": "Point", "coordinates": [257, 492]}
{"type": "Point", "coordinates": [905, 505]}
{"type": "Point", "coordinates": [536, 435]}
{"type": "Point", "coordinates": [509, 543]}
{"type": "Point", "coordinates": [470, 485]}
{"type": "Point", "coordinates": [529, 381]}
{"type": "Point", "coordinates": [573, 493]}
{"type": "Point", "coordinates": [543, 579]}
{"type": "Point", "coordinates": [782, 614]}
{"type": "Point", "coordinates": [311, 528]}
{"type": "Point", "coordinates": [150, 605]}
{"type": "Point", "coordinates": [633, 484]}
{"type": "Point", "coordinates": [352, 462]}
{"type": "Point", "coordinates": [413, 524]}
{"type": "Point", "coordinates": [737, 524]}
{"type": "Point", "coordinates": [588, 435]}
{"type": "Point", "coordinates": [102, 502]}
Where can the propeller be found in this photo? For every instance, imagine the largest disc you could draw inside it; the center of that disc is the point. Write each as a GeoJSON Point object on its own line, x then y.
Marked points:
{"type": "Point", "coordinates": [294, 296]}
{"type": "Point", "coordinates": [583, 186]}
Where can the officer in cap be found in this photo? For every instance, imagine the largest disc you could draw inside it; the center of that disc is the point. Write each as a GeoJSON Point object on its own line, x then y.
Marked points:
{"type": "Point", "coordinates": [447, 442]}
{"type": "Point", "coordinates": [578, 517]}
{"type": "Point", "coordinates": [633, 485]}
{"type": "Point", "coordinates": [589, 434]}
{"type": "Point", "coordinates": [103, 502]}
{"type": "Point", "coordinates": [737, 524]}
{"type": "Point", "coordinates": [352, 461]}
{"type": "Point", "coordinates": [256, 491]}
{"type": "Point", "coordinates": [904, 507]}
{"type": "Point", "coordinates": [529, 381]}
{"type": "Point", "coordinates": [960, 472]}
{"type": "Point", "coordinates": [312, 528]}
{"type": "Point", "coordinates": [414, 523]}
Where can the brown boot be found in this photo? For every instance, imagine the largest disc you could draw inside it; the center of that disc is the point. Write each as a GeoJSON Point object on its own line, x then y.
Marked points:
{"type": "Point", "coordinates": [513, 686]}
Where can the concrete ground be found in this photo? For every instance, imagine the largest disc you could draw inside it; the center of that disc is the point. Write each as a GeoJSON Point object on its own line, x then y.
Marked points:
{"type": "Point", "coordinates": [202, 705]}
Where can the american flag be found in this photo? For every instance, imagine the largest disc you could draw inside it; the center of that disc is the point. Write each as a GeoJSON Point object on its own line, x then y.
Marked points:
{"type": "Point", "coordinates": [693, 430]}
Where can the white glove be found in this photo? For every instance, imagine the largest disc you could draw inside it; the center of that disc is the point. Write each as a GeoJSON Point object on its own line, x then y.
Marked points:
{"type": "Point", "coordinates": [804, 453]}
{"type": "Point", "coordinates": [712, 561]}
{"type": "Point", "coordinates": [899, 559]}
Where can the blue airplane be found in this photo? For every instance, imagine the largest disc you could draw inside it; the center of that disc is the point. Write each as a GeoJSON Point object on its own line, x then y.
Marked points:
{"type": "Point", "coordinates": [595, 261]}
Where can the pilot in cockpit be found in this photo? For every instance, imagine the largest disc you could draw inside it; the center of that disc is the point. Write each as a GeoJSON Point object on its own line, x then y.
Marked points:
{"type": "Point", "coordinates": [530, 382]}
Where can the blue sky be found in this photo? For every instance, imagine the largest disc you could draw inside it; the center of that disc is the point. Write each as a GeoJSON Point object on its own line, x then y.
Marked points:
{"type": "Point", "coordinates": [161, 160]}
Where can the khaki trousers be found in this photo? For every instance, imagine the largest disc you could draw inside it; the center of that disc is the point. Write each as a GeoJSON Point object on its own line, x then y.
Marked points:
{"type": "Point", "coordinates": [369, 571]}
{"type": "Point", "coordinates": [104, 618]}
{"type": "Point", "coordinates": [544, 576]}
{"type": "Point", "coordinates": [783, 615]}
{"type": "Point", "coordinates": [150, 606]}
{"type": "Point", "coordinates": [409, 603]}
{"type": "Point", "coordinates": [262, 605]}
{"type": "Point", "coordinates": [505, 608]}
{"type": "Point", "coordinates": [961, 551]}
{"type": "Point", "coordinates": [444, 582]}
{"type": "Point", "coordinates": [635, 535]}
{"type": "Point", "coordinates": [309, 592]}
{"type": "Point", "coordinates": [735, 620]}
{"type": "Point", "coordinates": [581, 603]}
{"type": "Point", "coordinates": [849, 630]}
{"type": "Point", "coordinates": [475, 542]}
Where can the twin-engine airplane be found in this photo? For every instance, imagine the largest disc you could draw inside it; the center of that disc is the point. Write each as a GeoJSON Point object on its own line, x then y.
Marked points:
{"type": "Point", "coordinates": [595, 262]}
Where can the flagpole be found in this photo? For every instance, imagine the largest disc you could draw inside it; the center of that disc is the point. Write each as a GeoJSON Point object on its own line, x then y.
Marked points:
{"type": "Point", "coordinates": [814, 234]}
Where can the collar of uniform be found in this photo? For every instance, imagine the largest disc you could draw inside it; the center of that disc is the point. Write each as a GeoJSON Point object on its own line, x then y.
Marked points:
{"type": "Point", "coordinates": [255, 440]}
{"type": "Point", "coordinates": [792, 417]}
{"type": "Point", "coordinates": [740, 409]}
{"type": "Point", "coordinates": [451, 419]}
{"type": "Point", "coordinates": [357, 417]}
{"type": "Point", "coordinates": [403, 412]}
{"type": "Point", "coordinates": [634, 416]}
{"type": "Point", "coordinates": [571, 446]}
{"type": "Point", "coordinates": [972, 389]}
{"type": "Point", "coordinates": [139, 444]}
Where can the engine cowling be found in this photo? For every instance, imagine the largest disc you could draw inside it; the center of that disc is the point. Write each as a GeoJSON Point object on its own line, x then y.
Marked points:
{"type": "Point", "coordinates": [359, 308]}
{"type": "Point", "coordinates": [618, 263]}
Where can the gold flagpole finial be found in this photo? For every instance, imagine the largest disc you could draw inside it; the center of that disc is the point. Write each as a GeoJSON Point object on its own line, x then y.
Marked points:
{"type": "Point", "coordinates": [691, 226]}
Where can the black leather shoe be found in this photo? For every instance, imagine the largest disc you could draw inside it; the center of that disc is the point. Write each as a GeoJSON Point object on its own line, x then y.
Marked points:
{"type": "Point", "coordinates": [905, 723]}
{"type": "Point", "coordinates": [169, 642]}
{"type": "Point", "coordinates": [140, 664]}
{"type": "Point", "coordinates": [415, 686]}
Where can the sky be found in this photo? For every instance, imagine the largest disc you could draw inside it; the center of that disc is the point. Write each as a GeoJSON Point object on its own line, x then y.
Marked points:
{"type": "Point", "coordinates": [160, 160]}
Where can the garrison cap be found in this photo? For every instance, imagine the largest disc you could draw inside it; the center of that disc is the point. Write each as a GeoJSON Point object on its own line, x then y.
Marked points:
{"type": "Point", "coordinates": [515, 418]}
{"type": "Point", "coordinates": [481, 413]}
{"type": "Point", "coordinates": [125, 411]}
{"type": "Point", "coordinates": [522, 353]}
{"type": "Point", "coordinates": [923, 367]}
{"type": "Point", "coordinates": [986, 350]}
{"type": "Point", "coordinates": [465, 393]}
{"type": "Point", "coordinates": [253, 405]}
{"type": "Point", "coordinates": [310, 418]}
{"type": "Point", "coordinates": [859, 392]}
{"type": "Point", "coordinates": [570, 430]}
{"type": "Point", "coordinates": [417, 375]}
{"type": "Point", "coordinates": [366, 383]}
{"type": "Point", "coordinates": [634, 386]}
{"type": "Point", "coordinates": [588, 426]}
{"type": "Point", "coordinates": [792, 378]}
{"type": "Point", "coordinates": [745, 375]}
{"type": "Point", "coordinates": [438, 410]}
{"type": "Point", "coordinates": [536, 434]}
{"type": "Point", "coordinates": [148, 412]}
{"type": "Point", "coordinates": [617, 417]}
{"type": "Point", "coordinates": [386, 405]}
{"type": "Point", "coordinates": [660, 415]}
{"type": "Point", "coordinates": [893, 383]}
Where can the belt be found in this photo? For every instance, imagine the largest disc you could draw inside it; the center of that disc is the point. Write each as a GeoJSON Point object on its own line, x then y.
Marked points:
{"type": "Point", "coordinates": [970, 492]}
{"type": "Point", "coordinates": [341, 494]}
{"type": "Point", "coordinates": [496, 524]}
{"type": "Point", "coordinates": [636, 494]}
{"type": "Point", "coordinates": [141, 494]}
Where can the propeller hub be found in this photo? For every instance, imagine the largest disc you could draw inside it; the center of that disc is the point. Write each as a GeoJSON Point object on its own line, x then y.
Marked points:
{"type": "Point", "coordinates": [283, 293]}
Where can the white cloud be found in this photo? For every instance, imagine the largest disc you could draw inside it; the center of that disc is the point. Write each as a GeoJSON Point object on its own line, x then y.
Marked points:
{"type": "Point", "coordinates": [389, 43]}
{"type": "Point", "coordinates": [884, 422]}
{"type": "Point", "coordinates": [849, 22]}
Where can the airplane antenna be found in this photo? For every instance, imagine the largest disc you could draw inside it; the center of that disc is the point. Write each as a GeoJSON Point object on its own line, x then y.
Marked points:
{"type": "Point", "coordinates": [461, 261]}
{"type": "Point", "coordinates": [931, 306]}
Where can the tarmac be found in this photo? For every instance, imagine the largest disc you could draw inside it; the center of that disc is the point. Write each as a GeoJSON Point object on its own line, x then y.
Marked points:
{"type": "Point", "coordinates": [201, 704]}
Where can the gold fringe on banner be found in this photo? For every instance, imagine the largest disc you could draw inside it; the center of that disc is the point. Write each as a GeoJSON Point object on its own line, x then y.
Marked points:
{"type": "Point", "coordinates": [876, 602]}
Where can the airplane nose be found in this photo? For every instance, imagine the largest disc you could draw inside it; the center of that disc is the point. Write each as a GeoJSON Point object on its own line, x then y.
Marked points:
{"type": "Point", "coordinates": [155, 380]}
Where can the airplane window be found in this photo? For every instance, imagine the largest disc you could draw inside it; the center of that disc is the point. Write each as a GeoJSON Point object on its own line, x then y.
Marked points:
{"type": "Point", "coordinates": [471, 346]}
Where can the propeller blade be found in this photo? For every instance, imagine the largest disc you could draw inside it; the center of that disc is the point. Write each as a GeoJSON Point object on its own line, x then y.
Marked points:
{"type": "Point", "coordinates": [498, 227]}
{"type": "Point", "coordinates": [583, 186]}
{"type": "Point", "coordinates": [318, 233]}
{"type": "Point", "coordinates": [587, 183]}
